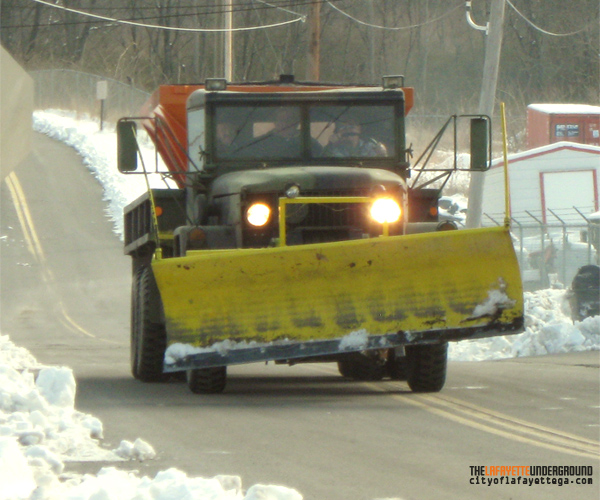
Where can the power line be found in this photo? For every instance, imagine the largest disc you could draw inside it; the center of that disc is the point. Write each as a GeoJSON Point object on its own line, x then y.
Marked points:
{"type": "Point", "coordinates": [247, 5]}
{"type": "Point", "coordinates": [391, 28]}
{"type": "Point", "coordinates": [278, 62]}
{"type": "Point", "coordinates": [545, 32]}
{"type": "Point", "coordinates": [170, 28]}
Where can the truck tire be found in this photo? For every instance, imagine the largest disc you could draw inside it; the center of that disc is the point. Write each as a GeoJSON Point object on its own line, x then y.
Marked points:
{"type": "Point", "coordinates": [148, 338]}
{"type": "Point", "coordinates": [360, 367]}
{"type": "Point", "coordinates": [426, 367]}
{"type": "Point", "coordinates": [207, 380]}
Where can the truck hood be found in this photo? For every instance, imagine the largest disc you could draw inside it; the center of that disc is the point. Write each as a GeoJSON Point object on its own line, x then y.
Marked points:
{"type": "Point", "coordinates": [309, 179]}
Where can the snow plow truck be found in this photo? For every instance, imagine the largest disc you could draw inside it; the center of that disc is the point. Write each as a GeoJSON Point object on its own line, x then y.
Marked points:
{"type": "Point", "coordinates": [295, 229]}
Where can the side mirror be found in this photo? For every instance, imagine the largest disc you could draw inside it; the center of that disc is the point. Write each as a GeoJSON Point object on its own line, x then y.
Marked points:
{"type": "Point", "coordinates": [481, 154]}
{"type": "Point", "coordinates": [127, 148]}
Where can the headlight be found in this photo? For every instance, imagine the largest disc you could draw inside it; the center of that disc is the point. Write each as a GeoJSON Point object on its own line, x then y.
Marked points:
{"type": "Point", "coordinates": [258, 214]}
{"type": "Point", "coordinates": [385, 210]}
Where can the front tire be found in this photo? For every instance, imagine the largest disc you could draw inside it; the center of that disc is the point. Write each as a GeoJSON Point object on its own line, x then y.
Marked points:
{"type": "Point", "coordinates": [148, 337]}
{"type": "Point", "coordinates": [207, 380]}
{"type": "Point", "coordinates": [426, 366]}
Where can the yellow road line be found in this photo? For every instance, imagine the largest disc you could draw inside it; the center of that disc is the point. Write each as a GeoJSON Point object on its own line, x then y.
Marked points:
{"type": "Point", "coordinates": [517, 430]}
{"type": "Point", "coordinates": [24, 216]}
{"type": "Point", "coordinates": [507, 421]}
{"type": "Point", "coordinates": [490, 421]}
{"type": "Point", "coordinates": [35, 248]}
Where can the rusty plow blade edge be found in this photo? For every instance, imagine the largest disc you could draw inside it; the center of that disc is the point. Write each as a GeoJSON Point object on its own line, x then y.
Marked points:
{"type": "Point", "coordinates": [249, 305]}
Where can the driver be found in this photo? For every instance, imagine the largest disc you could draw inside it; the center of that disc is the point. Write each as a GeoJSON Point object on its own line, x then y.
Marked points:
{"type": "Point", "coordinates": [347, 141]}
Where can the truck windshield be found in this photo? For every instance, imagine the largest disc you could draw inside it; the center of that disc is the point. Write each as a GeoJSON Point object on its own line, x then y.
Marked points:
{"type": "Point", "coordinates": [353, 131]}
{"type": "Point", "coordinates": [304, 131]}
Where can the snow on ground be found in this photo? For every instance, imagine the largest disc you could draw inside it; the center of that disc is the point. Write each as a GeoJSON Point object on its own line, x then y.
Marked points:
{"type": "Point", "coordinates": [40, 429]}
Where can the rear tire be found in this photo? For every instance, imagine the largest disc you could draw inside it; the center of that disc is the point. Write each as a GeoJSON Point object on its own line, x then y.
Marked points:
{"type": "Point", "coordinates": [148, 338]}
{"type": "Point", "coordinates": [207, 380]}
{"type": "Point", "coordinates": [426, 366]}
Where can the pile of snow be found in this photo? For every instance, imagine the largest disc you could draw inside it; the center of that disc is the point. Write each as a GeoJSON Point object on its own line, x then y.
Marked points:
{"type": "Point", "coordinates": [548, 330]}
{"type": "Point", "coordinates": [40, 430]}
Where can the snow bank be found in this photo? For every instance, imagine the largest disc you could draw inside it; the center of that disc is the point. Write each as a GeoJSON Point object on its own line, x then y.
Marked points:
{"type": "Point", "coordinates": [40, 430]}
{"type": "Point", "coordinates": [548, 330]}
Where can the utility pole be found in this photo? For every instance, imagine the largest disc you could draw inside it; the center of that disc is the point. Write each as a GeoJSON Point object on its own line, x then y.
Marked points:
{"type": "Point", "coordinates": [371, 34]}
{"type": "Point", "coordinates": [493, 48]}
{"type": "Point", "coordinates": [314, 42]}
{"type": "Point", "coordinates": [228, 43]}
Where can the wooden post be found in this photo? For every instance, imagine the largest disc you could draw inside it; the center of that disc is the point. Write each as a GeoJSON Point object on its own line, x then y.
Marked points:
{"type": "Point", "coordinates": [314, 43]}
{"type": "Point", "coordinates": [228, 45]}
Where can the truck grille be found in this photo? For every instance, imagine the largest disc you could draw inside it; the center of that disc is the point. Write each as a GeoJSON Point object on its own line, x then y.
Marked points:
{"type": "Point", "coordinates": [328, 215]}
{"type": "Point", "coordinates": [319, 223]}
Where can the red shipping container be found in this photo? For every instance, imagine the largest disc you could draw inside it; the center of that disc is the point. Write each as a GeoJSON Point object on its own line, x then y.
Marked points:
{"type": "Point", "coordinates": [550, 123]}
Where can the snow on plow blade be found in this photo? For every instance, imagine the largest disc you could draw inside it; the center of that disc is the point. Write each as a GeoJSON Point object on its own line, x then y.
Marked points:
{"type": "Point", "coordinates": [323, 299]}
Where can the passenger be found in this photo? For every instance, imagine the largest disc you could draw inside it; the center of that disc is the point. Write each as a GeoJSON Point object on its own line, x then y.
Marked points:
{"type": "Point", "coordinates": [347, 141]}
{"type": "Point", "coordinates": [227, 134]}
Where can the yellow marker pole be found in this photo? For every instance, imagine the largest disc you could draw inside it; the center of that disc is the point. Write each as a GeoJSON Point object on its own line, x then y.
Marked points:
{"type": "Point", "coordinates": [506, 179]}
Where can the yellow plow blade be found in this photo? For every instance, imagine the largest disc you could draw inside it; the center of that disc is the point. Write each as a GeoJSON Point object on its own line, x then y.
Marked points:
{"type": "Point", "coordinates": [427, 287]}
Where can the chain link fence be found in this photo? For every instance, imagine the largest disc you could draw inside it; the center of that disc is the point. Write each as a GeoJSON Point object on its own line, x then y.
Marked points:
{"type": "Point", "coordinates": [75, 91]}
{"type": "Point", "coordinates": [551, 249]}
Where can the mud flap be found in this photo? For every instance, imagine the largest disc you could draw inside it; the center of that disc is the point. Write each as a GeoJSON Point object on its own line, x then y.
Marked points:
{"type": "Point", "coordinates": [322, 299]}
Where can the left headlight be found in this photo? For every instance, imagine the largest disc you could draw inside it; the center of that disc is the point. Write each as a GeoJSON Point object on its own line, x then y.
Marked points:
{"type": "Point", "coordinates": [258, 214]}
{"type": "Point", "coordinates": [386, 210]}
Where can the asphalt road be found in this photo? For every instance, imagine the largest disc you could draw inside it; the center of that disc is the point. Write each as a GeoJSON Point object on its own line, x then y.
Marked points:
{"type": "Point", "coordinates": [65, 297]}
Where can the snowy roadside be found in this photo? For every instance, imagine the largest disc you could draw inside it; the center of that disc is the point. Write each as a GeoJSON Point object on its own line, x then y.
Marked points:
{"type": "Point", "coordinates": [40, 429]}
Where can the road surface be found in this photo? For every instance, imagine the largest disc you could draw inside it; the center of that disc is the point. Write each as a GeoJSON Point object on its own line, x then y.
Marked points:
{"type": "Point", "coordinates": [65, 297]}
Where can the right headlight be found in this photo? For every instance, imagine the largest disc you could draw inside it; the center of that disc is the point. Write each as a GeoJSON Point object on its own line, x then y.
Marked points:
{"type": "Point", "coordinates": [258, 214]}
{"type": "Point", "coordinates": [386, 210]}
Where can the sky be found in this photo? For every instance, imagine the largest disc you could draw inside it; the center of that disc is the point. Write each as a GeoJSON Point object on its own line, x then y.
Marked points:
{"type": "Point", "coordinates": [41, 431]}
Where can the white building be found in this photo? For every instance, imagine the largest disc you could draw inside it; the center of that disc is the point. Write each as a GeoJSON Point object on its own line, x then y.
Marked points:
{"type": "Point", "coordinates": [553, 178]}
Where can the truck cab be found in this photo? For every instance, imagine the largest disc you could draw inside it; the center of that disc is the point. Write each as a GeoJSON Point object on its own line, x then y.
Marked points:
{"type": "Point", "coordinates": [248, 149]}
